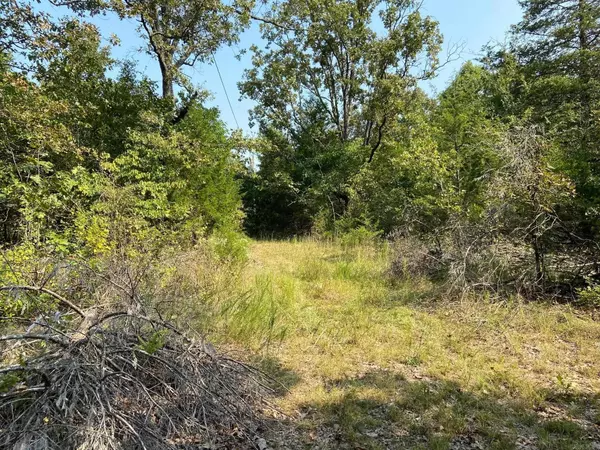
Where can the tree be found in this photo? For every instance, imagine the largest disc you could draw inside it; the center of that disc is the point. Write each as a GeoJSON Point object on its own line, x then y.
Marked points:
{"type": "Point", "coordinates": [183, 32]}
{"type": "Point", "coordinates": [467, 130]}
{"type": "Point", "coordinates": [410, 184]}
{"type": "Point", "coordinates": [526, 192]}
{"type": "Point", "coordinates": [299, 177]}
{"type": "Point", "coordinates": [558, 45]}
{"type": "Point", "coordinates": [20, 24]}
{"type": "Point", "coordinates": [183, 180]}
{"type": "Point", "coordinates": [43, 180]}
{"type": "Point", "coordinates": [560, 38]}
{"type": "Point", "coordinates": [329, 88]}
{"type": "Point", "coordinates": [71, 64]}
{"type": "Point", "coordinates": [329, 53]}
{"type": "Point", "coordinates": [74, 137]}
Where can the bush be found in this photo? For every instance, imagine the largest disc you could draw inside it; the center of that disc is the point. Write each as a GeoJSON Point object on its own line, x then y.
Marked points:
{"type": "Point", "coordinates": [465, 258]}
{"type": "Point", "coordinates": [229, 245]}
{"type": "Point", "coordinates": [590, 296]}
{"type": "Point", "coordinates": [411, 258]}
{"type": "Point", "coordinates": [359, 236]}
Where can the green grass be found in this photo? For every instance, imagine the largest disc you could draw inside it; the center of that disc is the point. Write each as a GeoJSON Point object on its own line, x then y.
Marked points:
{"type": "Point", "coordinates": [372, 362]}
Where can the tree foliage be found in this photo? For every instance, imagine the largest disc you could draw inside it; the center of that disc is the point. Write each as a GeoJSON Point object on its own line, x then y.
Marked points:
{"type": "Point", "coordinates": [180, 33]}
{"type": "Point", "coordinates": [557, 45]}
{"type": "Point", "coordinates": [72, 136]}
{"type": "Point", "coordinates": [329, 88]}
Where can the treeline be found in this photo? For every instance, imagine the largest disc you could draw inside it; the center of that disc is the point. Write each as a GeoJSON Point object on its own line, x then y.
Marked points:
{"type": "Point", "coordinates": [506, 156]}
{"type": "Point", "coordinates": [94, 154]}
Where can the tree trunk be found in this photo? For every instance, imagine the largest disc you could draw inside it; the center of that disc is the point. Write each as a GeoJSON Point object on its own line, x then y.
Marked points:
{"type": "Point", "coordinates": [538, 224]}
{"type": "Point", "coordinates": [584, 68]}
{"type": "Point", "coordinates": [167, 80]}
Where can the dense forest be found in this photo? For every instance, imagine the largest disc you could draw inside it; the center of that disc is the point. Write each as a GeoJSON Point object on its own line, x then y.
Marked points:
{"type": "Point", "coordinates": [143, 243]}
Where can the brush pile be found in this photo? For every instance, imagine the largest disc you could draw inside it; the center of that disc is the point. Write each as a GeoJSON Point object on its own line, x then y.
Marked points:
{"type": "Point", "coordinates": [76, 378]}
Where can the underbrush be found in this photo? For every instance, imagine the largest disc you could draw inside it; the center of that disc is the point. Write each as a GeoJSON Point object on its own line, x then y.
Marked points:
{"type": "Point", "coordinates": [366, 355]}
{"type": "Point", "coordinates": [463, 263]}
{"type": "Point", "coordinates": [112, 349]}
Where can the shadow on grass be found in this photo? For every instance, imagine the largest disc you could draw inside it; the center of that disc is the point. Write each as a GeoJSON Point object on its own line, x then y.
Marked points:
{"type": "Point", "coordinates": [283, 379]}
{"type": "Point", "coordinates": [384, 410]}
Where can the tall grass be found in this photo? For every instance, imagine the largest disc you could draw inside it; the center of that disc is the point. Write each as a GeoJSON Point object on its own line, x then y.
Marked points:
{"type": "Point", "coordinates": [377, 354]}
{"type": "Point", "coordinates": [212, 296]}
{"type": "Point", "coordinates": [260, 315]}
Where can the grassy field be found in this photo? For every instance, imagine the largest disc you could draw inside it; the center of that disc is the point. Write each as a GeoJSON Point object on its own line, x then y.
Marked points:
{"type": "Point", "coordinates": [371, 362]}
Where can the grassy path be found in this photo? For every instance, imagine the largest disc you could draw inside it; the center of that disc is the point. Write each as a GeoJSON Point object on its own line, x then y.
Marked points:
{"type": "Point", "coordinates": [372, 363]}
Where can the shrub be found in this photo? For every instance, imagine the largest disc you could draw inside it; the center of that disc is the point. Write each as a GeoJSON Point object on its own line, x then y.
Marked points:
{"type": "Point", "coordinates": [412, 259]}
{"type": "Point", "coordinates": [362, 235]}
{"type": "Point", "coordinates": [590, 296]}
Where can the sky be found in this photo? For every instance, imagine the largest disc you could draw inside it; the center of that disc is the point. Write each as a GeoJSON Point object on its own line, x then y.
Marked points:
{"type": "Point", "coordinates": [469, 23]}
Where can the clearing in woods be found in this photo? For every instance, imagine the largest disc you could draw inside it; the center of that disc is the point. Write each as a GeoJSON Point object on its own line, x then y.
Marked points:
{"type": "Point", "coordinates": [372, 362]}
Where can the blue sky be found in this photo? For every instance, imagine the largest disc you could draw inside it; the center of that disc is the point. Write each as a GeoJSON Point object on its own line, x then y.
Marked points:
{"type": "Point", "coordinates": [472, 23]}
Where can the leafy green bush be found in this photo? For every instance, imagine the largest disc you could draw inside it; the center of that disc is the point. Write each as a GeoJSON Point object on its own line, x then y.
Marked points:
{"type": "Point", "coordinates": [229, 245]}
{"type": "Point", "coordinates": [361, 235]}
{"type": "Point", "coordinates": [590, 296]}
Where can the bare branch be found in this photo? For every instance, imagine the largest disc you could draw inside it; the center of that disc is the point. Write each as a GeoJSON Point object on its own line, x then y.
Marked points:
{"type": "Point", "coordinates": [43, 290]}
{"type": "Point", "coordinates": [34, 336]}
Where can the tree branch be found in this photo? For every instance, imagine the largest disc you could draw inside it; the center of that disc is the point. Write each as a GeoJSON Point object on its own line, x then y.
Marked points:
{"type": "Point", "coordinates": [184, 110]}
{"type": "Point", "coordinates": [63, 301]}
{"type": "Point", "coordinates": [379, 137]}
{"type": "Point", "coordinates": [33, 336]}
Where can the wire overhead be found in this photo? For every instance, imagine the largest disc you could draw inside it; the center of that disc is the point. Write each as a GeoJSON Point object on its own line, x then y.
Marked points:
{"type": "Point", "coordinates": [225, 89]}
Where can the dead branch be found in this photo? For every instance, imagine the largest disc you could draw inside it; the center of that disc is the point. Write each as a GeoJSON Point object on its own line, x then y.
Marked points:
{"type": "Point", "coordinates": [128, 386]}
{"type": "Point", "coordinates": [31, 336]}
{"type": "Point", "coordinates": [63, 301]}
